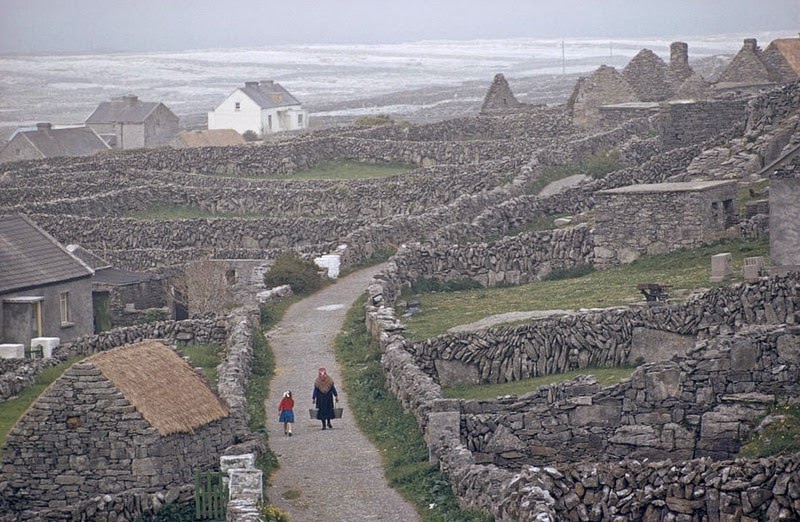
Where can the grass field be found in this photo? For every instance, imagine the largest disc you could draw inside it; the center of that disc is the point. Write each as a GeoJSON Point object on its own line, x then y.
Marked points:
{"type": "Point", "coordinates": [685, 271]}
{"type": "Point", "coordinates": [350, 170]}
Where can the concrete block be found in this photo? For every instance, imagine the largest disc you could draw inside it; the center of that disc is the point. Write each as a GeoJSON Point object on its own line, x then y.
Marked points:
{"type": "Point", "coordinates": [721, 267]}
{"type": "Point", "coordinates": [47, 344]}
{"type": "Point", "coordinates": [753, 268]}
{"type": "Point", "coordinates": [12, 351]}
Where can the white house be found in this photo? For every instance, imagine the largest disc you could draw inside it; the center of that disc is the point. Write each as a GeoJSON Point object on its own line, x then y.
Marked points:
{"type": "Point", "coordinates": [262, 107]}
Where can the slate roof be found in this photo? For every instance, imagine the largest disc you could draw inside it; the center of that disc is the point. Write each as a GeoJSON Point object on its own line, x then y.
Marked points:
{"type": "Point", "coordinates": [72, 141]}
{"type": "Point", "coordinates": [128, 109]}
{"type": "Point", "coordinates": [30, 257]}
{"type": "Point", "coordinates": [268, 94]}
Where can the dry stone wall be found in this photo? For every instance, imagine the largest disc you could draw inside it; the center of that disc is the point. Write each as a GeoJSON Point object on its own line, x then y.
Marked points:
{"type": "Point", "coordinates": [681, 124]}
{"type": "Point", "coordinates": [631, 489]}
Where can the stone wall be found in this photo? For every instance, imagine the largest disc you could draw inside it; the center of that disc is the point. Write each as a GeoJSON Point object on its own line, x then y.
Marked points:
{"type": "Point", "coordinates": [784, 244]}
{"type": "Point", "coordinates": [702, 404]}
{"type": "Point", "coordinates": [649, 219]}
{"type": "Point", "coordinates": [680, 124]}
{"type": "Point", "coordinates": [630, 489]}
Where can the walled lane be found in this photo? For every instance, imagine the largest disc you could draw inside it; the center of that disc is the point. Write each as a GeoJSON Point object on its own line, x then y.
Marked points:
{"type": "Point", "coordinates": [334, 474]}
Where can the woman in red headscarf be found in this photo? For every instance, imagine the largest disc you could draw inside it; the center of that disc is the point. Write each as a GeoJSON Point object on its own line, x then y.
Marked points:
{"type": "Point", "coordinates": [323, 397]}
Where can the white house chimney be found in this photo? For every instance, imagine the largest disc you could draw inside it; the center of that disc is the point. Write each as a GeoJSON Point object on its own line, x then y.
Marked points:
{"type": "Point", "coordinates": [44, 126]}
{"type": "Point", "coordinates": [251, 84]}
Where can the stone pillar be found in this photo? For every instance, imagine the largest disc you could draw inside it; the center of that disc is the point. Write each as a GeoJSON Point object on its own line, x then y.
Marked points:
{"type": "Point", "coordinates": [784, 227]}
{"type": "Point", "coordinates": [721, 267]}
{"type": "Point", "coordinates": [444, 423]}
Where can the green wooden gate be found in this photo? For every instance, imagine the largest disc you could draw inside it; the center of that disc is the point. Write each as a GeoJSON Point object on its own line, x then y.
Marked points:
{"type": "Point", "coordinates": [210, 496]}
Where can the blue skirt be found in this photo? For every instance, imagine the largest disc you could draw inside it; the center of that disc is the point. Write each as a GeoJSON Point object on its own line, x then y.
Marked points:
{"type": "Point", "coordinates": [286, 416]}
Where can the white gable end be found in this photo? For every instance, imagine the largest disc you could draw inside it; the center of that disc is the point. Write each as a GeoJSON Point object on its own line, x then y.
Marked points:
{"type": "Point", "coordinates": [242, 113]}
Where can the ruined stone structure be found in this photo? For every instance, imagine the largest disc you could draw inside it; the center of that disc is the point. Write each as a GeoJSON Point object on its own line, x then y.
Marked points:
{"type": "Point", "coordinates": [605, 86]}
{"type": "Point", "coordinates": [649, 77]}
{"type": "Point", "coordinates": [657, 218]}
{"type": "Point", "coordinates": [748, 69]}
{"type": "Point", "coordinates": [500, 99]}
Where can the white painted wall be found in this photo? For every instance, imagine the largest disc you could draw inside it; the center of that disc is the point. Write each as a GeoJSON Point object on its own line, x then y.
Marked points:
{"type": "Point", "coordinates": [250, 116]}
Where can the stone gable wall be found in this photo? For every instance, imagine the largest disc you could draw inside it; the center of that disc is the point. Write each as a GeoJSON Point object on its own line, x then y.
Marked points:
{"type": "Point", "coordinates": [681, 124]}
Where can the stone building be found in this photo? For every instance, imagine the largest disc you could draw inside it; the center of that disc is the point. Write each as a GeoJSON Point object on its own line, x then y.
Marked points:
{"type": "Point", "coordinates": [682, 123]}
{"type": "Point", "coordinates": [784, 225]}
{"type": "Point", "coordinates": [500, 99]}
{"type": "Point", "coordinates": [649, 77]}
{"type": "Point", "coordinates": [136, 417]}
{"type": "Point", "coordinates": [656, 218]}
{"type": "Point", "coordinates": [605, 86]}
{"type": "Point", "coordinates": [48, 142]}
{"type": "Point", "coordinates": [752, 68]}
{"type": "Point", "coordinates": [129, 123]}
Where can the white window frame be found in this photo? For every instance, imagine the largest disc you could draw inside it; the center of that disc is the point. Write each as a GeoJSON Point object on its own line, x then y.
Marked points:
{"type": "Point", "coordinates": [66, 312]}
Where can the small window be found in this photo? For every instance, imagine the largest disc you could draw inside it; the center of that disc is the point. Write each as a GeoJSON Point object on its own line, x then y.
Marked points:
{"type": "Point", "coordinates": [269, 121]}
{"type": "Point", "coordinates": [66, 315]}
{"type": "Point", "coordinates": [300, 119]}
{"type": "Point", "coordinates": [19, 152]}
{"type": "Point", "coordinates": [238, 106]}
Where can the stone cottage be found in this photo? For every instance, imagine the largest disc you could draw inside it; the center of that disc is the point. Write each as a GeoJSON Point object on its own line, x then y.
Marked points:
{"type": "Point", "coordinates": [48, 142]}
{"type": "Point", "coordinates": [262, 107]}
{"type": "Point", "coordinates": [129, 123]}
{"type": "Point", "coordinates": [45, 291]}
{"type": "Point", "coordinates": [136, 417]}
{"type": "Point", "coordinates": [661, 217]}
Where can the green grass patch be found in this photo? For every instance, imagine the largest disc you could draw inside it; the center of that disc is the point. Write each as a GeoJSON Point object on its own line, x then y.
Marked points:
{"type": "Point", "coordinates": [204, 356]}
{"type": "Point", "coordinates": [685, 270]}
{"type": "Point", "coordinates": [350, 170]}
{"type": "Point", "coordinates": [395, 433]}
{"type": "Point", "coordinates": [158, 211]}
{"type": "Point", "coordinates": [780, 435]}
{"type": "Point", "coordinates": [13, 409]}
{"type": "Point", "coordinates": [605, 376]}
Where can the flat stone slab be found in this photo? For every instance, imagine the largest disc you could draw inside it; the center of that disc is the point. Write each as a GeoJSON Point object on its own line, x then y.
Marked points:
{"type": "Point", "coordinates": [508, 317]}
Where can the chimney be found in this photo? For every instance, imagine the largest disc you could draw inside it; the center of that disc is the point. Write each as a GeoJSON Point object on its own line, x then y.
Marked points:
{"type": "Point", "coordinates": [679, 54]}
{"type": "Point", "coordinates": [266, 82]}
{"type": "Point", "coordinates": [44, 126]}
{"type": "Point", "coordinates": [750, 44]}
{"type": "Point", "coordinates": [251, 84]}
{"type": "Point", "coordinates": [131, 99]}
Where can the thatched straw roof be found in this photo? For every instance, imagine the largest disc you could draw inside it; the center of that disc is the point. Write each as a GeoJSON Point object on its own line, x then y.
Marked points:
{"type": "Point", "coordinates": [169, 393]}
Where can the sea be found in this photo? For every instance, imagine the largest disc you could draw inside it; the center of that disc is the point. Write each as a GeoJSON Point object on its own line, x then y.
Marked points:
{"type": "Point", "coordinates": [417, 80]}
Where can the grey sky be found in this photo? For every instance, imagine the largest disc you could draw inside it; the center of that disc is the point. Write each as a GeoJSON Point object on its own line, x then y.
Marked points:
{"type": "Point", "coordinates": [42, 26]}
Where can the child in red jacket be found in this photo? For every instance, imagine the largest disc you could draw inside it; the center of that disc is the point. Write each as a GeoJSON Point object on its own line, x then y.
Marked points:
{"type": "Point", "coordinates": [286, 411]}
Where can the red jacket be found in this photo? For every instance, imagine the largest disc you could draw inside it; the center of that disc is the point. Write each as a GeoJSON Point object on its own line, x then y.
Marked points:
{"type": "Point", "coordinates": [287, 403]}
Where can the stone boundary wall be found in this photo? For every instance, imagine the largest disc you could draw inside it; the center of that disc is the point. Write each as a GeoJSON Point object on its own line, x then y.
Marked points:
{"type": "Point", "coordinates": [512, 260]}
{"type": "Point", "coordinates": [703, 404]}
{"type": "Point", "coordinates": [680, 124]}
{"type": "Point", "coordinates": [574, 491]}
{"type": "Point", "coordinates": [603, 338]}
{"type": "Point", "coordinates": [233, 373]}
{"type": "Point", "coordinates": [770, 108]}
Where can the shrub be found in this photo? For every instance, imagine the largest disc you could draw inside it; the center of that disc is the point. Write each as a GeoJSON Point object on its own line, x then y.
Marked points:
{"type": "Point", "coordinates": [289, 269]}
{"type": "Point", "coordinates": [272, 513]}
{"type": "Point", "coordinates": [374, 121]}
{"type": "Point", "coordinates": [601, 163]}
{"type": "Point", "coordinates": [568, 273]}
{"type": "Point", "coordinates": [249, 135]}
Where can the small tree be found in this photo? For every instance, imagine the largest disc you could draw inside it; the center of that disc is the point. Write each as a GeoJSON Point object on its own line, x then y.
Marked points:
{"type": "Point", "coordinates": [289, 269]}
{"type": "Point", "coordinates": [250, 135]}
{"type": "Point", "coordinates": [203, 287]}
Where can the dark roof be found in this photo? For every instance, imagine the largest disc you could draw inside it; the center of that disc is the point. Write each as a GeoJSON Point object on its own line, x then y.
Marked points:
{"type": "Point", "coordinates": [268, 94]}
{"type": "Point", "coordinates": [30, 257]}
{"type": "Point", "coordinates": [128, 109]}
{"type": "Point", "coordinates": [72, 141]}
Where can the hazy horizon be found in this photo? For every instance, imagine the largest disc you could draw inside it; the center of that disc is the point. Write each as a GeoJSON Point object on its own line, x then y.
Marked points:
{"type": "Point", "coordinates": [95, 26]}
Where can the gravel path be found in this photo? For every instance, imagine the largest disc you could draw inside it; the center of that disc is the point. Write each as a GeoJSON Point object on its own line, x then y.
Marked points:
{"type": "Point", "coordinates": [333, 475]}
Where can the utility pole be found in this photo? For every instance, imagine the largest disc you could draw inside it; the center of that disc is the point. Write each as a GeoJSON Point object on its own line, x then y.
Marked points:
{"type": "Point", "coordinates": [610, 49]}
{"type": "Point", "coordinates": [563, 59]}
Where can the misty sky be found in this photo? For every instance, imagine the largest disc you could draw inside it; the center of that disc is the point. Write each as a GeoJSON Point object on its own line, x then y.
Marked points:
{"type": "Point", "coordinates": [76, 26]}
